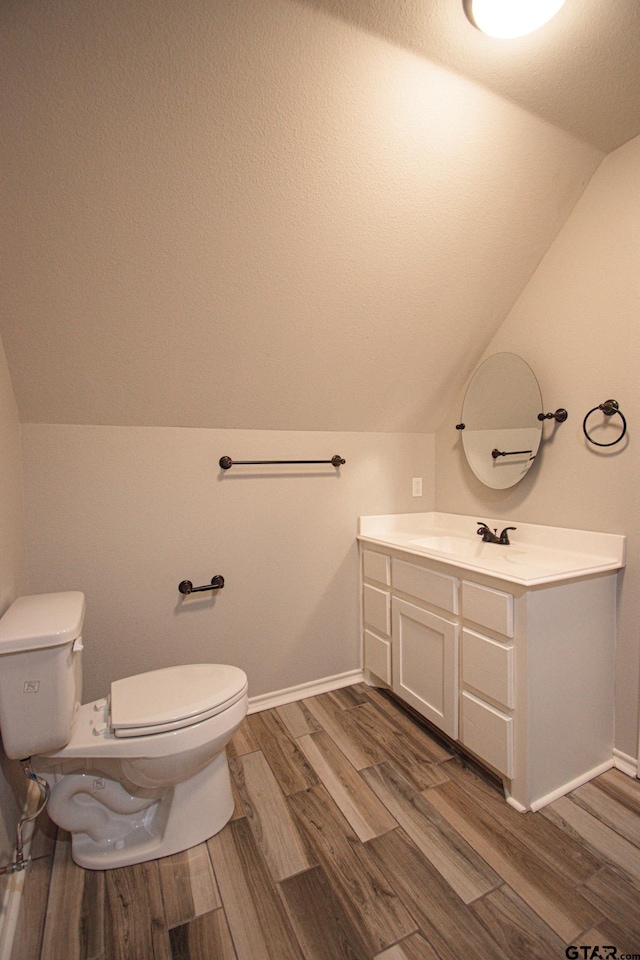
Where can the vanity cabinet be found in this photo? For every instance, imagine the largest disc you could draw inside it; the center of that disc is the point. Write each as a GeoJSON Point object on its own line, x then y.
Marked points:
{"type": "Point", "coordinates": [521, 677]}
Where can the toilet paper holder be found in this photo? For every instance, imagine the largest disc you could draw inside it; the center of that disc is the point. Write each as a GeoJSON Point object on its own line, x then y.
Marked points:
{"type": "Point", "coordinates": [186, 587]}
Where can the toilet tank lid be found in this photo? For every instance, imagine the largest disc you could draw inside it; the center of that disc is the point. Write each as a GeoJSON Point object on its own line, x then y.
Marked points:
{"type": "Point", "coordinates": [42, 620]}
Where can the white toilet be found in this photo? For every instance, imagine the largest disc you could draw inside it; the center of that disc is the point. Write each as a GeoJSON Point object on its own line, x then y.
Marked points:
{"type": "Point", "coordinates": [137, 776]}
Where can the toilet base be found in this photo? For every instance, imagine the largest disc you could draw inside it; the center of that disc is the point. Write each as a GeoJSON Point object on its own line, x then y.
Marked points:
{"type": "Point", "coordinates": [187, 815]}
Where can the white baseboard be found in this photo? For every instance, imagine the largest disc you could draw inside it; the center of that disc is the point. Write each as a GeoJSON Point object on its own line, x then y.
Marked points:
{"type": "Point", "coordinates": [625, 763]}
{"type": "Point", "coordinates": [572, 785]}
{"type": "Point", "coordinates": [10, 910]}
{"type": "Point", "coordinates": [15, 881]}
{"type": "Point", "coordinates": [311, 689]}
{"type": "Point", "coordinates": [514, 803]}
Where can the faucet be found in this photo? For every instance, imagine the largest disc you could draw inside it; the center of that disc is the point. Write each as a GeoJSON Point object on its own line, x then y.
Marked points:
{"type": "Point", "coordinates": [489, 537]}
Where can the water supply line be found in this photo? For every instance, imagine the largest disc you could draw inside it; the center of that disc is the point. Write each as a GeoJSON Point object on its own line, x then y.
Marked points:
{"type": "Point", "coordinates": [19, 863]}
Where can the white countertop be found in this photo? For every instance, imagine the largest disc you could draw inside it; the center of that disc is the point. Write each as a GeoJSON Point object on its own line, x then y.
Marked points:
{"type": "Point", "coordinates": [537, 554]}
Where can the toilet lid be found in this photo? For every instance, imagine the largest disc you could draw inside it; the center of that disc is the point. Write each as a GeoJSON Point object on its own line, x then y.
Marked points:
{"type": "Point", "coordinates": [173, 697]}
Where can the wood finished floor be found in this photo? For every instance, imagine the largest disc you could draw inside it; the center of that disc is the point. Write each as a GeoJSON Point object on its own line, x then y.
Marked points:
{"type": "Point", "coordinates": [355, 835]}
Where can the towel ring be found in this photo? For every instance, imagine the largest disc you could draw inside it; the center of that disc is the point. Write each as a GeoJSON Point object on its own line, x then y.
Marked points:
{"type": "Point", "coordinates": [609, 407]}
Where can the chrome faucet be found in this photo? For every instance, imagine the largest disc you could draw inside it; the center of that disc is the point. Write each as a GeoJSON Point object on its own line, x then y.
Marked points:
{"type": "Point", "coordinates": [492, 537]}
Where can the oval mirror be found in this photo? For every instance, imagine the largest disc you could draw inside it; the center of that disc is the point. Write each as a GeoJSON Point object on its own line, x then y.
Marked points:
{"type": "Point", "coordinates": [502, 433]}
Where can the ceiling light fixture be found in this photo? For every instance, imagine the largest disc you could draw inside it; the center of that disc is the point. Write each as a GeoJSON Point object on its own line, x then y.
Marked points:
{"type": "Point", "coordinates": [510, 18]}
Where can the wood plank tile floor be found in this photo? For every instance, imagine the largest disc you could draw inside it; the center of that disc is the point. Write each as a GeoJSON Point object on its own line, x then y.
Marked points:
{"type": "Point", "coordinates": [356, 835]}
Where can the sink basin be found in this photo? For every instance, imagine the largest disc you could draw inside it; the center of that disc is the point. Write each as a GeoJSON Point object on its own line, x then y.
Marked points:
{"type": "Point", "coordinates": [523, 560]}
{"type": "Point", "coordinates": [455, 546]}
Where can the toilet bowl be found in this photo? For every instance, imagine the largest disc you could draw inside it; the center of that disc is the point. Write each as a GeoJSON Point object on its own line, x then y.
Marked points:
{"type": "Point", "coordinates": [136, 776]}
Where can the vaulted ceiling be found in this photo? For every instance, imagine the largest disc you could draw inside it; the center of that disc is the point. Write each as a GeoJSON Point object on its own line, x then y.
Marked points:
{"type": "Point", "coordinates": [285, 214]}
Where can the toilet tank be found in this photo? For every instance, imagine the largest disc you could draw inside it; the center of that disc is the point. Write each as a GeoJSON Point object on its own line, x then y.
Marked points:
{"type": "Point", "coordinates": [40, 672]}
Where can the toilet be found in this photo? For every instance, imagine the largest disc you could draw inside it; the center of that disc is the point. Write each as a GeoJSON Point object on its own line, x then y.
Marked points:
{"type": "Point", "coordinates": [136, 776]}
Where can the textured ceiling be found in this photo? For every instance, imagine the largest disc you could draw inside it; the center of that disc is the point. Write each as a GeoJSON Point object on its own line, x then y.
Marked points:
{"type": "Point", "coordinates": [580, 71]}
{"type": "Point", "coordinates": [279, 214]}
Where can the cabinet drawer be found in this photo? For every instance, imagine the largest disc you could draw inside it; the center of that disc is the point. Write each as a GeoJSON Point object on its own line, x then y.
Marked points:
{"type": "Point", "coordinates": [376, 605]}
{"type": "Point", "coordinates": [487, 732]}
{"type": "Point", "coordinates": [425, 584]}
{"type": "Point", "coordinates": [376, 566]}
{"type": "Point", "coordinates": [377, 656]}
{"type": "Point", "coordinates": [487, 665]}
{"type": "Point", "coordinates": [488, 607]}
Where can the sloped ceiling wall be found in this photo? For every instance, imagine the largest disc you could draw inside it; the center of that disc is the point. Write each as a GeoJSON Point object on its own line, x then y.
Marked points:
{"type": "Point", "coordinates": [254, 214]}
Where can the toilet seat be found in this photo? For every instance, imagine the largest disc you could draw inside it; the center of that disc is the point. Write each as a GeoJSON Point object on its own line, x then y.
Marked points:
{"type": "Point", "coordinates": [174, 697]}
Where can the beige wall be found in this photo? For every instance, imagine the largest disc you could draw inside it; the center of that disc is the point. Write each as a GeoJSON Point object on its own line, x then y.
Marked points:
{"type": "Point", "coordinates": [576, 324]}
{"type": "Point", "coordinates": [13, 561]}
{"type": "Point", "coordinates": [126, 513]}
{"type": "Point", "coordinates": [13, 579]}
{"type": "Point", "coordinates": [250, 214]}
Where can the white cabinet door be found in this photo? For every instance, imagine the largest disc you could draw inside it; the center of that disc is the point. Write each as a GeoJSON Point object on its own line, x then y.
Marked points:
{"type": "Point", "coordinates": [425, 664]}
